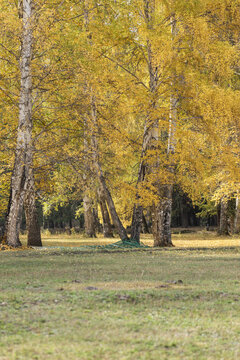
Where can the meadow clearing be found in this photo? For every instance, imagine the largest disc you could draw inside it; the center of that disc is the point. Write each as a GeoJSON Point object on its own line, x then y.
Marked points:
{"type": "Point", "coordinates": [178, 303]}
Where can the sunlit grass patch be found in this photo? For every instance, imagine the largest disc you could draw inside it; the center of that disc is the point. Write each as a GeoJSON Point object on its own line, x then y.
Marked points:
{"type": "Point", "coordinates": [198, 239]}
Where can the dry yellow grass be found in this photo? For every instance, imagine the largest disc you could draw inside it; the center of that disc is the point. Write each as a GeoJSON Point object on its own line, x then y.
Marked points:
{"type": "Point", "coordinates": [123, 285]}
{"type": "Point", "coordinates": [200, 239]}
{"type": "Point", "coordinates": [207, 243]}
{"type": "Point", "coordinates": [4, 247]}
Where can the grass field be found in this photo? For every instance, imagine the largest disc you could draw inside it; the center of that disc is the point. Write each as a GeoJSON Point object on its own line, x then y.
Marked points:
{"type": "Point", "coordinates": [197, 239]}
{"type": "Point", "coordinates": [166, 304]}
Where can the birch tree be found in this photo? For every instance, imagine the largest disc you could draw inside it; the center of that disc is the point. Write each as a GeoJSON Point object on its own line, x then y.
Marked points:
{"type": "Point", "coordinates": [22, 182]}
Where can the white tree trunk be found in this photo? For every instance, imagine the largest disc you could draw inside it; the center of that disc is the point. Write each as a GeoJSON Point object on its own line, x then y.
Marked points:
{"type": "Point", "coordinates": [237, 217]}
{"type": "Point", "coordinates": [163, 208]}
{"type": "Point", "coordinates": [23, 165]}
{"type": "Point", "coordinates": [101, 178]}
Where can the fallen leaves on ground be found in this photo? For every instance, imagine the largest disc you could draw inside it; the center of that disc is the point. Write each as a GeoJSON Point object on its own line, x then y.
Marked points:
{"type": "Point", "coordinates": [4, 247]}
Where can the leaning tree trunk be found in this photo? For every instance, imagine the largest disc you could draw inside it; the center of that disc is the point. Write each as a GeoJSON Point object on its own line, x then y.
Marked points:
{"type": "Point", "coordinates": [102, 182]}
{"type": "Point", "coordinates": [95, 151]}
{"type": "Point", "coordinates": [23, 152]}
{"type": "Point", "coordinates": [107, 227]}
{"type": "Point", "coordinates": [114, 215]}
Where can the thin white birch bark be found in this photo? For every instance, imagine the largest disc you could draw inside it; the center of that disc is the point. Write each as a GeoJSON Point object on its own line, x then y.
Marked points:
{"type": "Point", "coordinates": [22, 182]}
{"type": "Point", "coordinates": [163, 210]}
{"type": "Point", "coordinates": [104, 189]}
{"type": "Point", "coordinates": [237, 216]}
{"type": "Point", "coordinates": [101, 178]}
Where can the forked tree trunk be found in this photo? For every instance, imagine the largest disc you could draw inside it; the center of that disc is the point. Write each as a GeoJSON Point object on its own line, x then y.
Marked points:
{"type": "Point", "coordinates": [95, 151]}
{"type": "Point", "coordinates": [111, 206]}
{"type": "Point", "coordinates": [23, 154]}
{"type": "Point", "coordinates": [107, 227]}
{"type": "Point", "coordinates": [89, 221]}
{"type": "Point", "coordinates": [102, 182]}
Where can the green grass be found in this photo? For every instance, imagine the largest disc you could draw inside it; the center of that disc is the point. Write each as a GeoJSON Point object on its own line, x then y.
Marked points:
{"type": "Point", "coordinates": [64, 304]}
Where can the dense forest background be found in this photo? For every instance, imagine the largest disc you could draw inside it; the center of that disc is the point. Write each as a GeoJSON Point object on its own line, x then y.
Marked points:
{"type": "Point", "coordinates": [119, 117]}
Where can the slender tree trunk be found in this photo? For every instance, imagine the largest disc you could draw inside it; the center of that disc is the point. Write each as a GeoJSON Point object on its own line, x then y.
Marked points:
{"type": "Point", "coordinates": [89, 221]}
{"type": "Point", "coordinates": [150, 136]}
{"type": "Point", "coordinates": [89, 218]}
{"type": "Point", "coordinates": [163, 209]}
{"type": "Point", "coordinates": [111, 206]}
{"type": "Point", "coordinates": [95, 151]}
{"type": "Point", "coordinates": [23, 153]}
{"type": "Point", "coordinates": [223, 222]}
{"type": "Point", "coordinates": [237, 217]}
{"type": "Point", "coordinates": [137, 209]}
{"type": "Point", "coordinates": [102, 182]}
{"type": "Point", "coordinates": [107, 227]}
